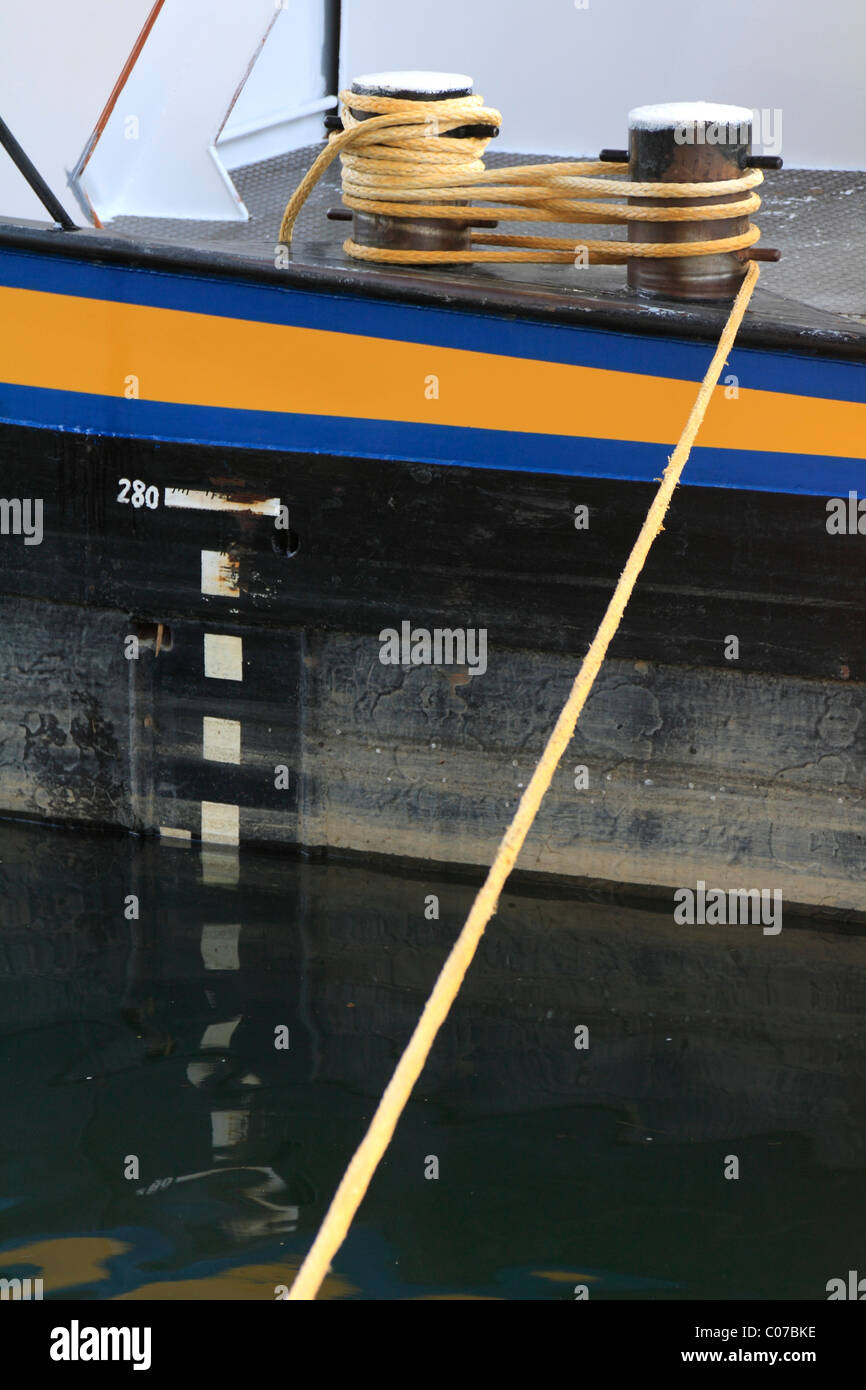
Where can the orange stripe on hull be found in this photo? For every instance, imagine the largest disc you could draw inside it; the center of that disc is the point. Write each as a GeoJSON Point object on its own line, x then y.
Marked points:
{"type": "Point", "coordinates": [92, 346]}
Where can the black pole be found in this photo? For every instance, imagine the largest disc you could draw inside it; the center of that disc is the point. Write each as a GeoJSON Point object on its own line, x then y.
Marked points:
{"type": "Point", "coordinates": [35, 179]}
{"type": "Point", "coordinates": [333, 31]}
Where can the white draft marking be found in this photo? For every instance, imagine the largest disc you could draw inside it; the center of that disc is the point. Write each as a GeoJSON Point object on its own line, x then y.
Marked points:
{"type": "Point", "coordinates": [219, 502]}
{"type": "Point", "coordinates": [220, 823]}
{"type": "Point", "coordinates": [223, 657]}
{"type": "Point", "coordinates": [168, 832]}
{"type": "Point", "coordinates": [219, 574]}
{"type": "Point", "coordinates": [221, 740]}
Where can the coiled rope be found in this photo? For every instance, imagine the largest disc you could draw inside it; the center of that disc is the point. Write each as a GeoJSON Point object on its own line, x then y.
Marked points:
{"type": "Point", "coordinates": [356, 1179]}
{"type": "Point", "coordinates": [401, 162]}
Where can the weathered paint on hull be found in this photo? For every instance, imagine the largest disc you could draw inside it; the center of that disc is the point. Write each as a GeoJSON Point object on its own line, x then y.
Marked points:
{"type": "Point", "coordinates": [744, 773]}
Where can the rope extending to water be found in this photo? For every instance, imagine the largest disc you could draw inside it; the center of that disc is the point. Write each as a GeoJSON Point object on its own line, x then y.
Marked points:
{"type": "Point", "coordinates": [401, 162]}
{"type": "Point", "coordinates": [356, 1179]}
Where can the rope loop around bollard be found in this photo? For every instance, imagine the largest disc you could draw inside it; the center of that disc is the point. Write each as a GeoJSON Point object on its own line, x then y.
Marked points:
{"type": "Point", "coordinates": [401, 163]}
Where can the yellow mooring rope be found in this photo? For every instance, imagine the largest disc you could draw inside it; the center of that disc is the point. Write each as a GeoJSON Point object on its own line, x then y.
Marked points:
{"type": "Point", "coordinates": [402, 163]}
{"type": "Point", "coordinates": [356, 1179]}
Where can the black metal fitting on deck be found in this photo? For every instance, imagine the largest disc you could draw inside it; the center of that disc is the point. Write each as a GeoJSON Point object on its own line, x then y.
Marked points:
{"type": "Point", "coordinates": [761, 161]}
{"type": "Point", "coordinates": [750, 161]}
{"type": "Point", "coordinates": [26, 167]}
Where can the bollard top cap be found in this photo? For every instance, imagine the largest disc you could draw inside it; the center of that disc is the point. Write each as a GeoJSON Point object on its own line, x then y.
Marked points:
{"type": "Point", "coordinates": [439, 86]}
{"type": "Point", "coordinates": [676, 113]}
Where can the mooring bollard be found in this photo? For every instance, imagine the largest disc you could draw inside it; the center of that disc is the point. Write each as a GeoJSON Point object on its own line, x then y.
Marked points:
{"type": "Point", "coordinates": [688, 142]}
{"type": "Point", "coordinates": [416, 233]}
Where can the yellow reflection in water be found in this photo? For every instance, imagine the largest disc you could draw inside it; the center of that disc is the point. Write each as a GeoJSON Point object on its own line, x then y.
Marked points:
{"type": "Point", "coordinates": [74, 1260]}
{"type": "Point", "coordinates": [67, 1261]}
{"type": "Point", "coordinates": [244, 1282]}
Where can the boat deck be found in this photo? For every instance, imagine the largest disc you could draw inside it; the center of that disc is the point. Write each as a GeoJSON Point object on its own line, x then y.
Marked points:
{"type": "Point", "coordinates": [812, 301]}
{"type": "Point", "coordinates": [815, 217]}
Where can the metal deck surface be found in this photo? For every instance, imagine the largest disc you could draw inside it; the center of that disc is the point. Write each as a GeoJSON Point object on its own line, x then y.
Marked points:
{"type": "Point", "coordinates": [817, 218]}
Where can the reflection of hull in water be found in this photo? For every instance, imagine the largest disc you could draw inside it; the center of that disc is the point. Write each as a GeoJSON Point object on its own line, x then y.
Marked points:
{"type": "Point", "coordinates": [306, 388]}
{"type": "Point", "coordinates": [136, 1038]}
{"type": "Point", "coordinates": [757, 1024]}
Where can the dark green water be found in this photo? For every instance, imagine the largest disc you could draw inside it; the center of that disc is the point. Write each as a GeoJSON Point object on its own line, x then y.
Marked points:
{"type": "Point", "coordinates": [154, 1039]}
